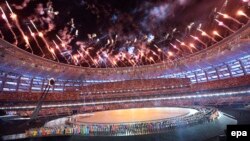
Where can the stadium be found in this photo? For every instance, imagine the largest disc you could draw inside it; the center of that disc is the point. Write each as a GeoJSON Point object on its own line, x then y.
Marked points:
{"type": "Point", "coordinates": [156, 70]}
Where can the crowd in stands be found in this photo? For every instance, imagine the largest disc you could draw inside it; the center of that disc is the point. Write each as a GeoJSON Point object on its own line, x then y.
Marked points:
{"type": "Point", "coordinates": [129, 92]}
{"type": "Point", "coordinates": [203, 115]}
{"type": "Point", "coordinates": [222, 84]}
{"type": "Point", "coordinates": [208, 101]}
{"type": "Point", "coordinates": [137, 85]}
{"type": "Point", "coordinates": [47, 112]}
{"type": "Point", "coordinates": [235, 84]}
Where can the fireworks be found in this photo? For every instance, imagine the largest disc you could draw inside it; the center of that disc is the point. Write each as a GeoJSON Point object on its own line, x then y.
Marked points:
{"type": "Point", "coordinates": [220, 23]}
{"type": "Point", "coordinates": [241, 13]}
{"type": "Point", "coordinates": [13, 16]}
{"type": "Point", "coordinates": [170, 53]}
{"type": "Point", "coordinates": [226, 16]}
{"type": "Point", "coordinates": [34, 37]}
{"type": "Point", "coordinates": [183, 44]}
{"type": "Point", "coordinates": [199, 40]}
{"type": "Point", "coordinates": [216, 33]}
{"type": "Point", "coordinates": [192, 46]}
{"type": "Point", "coordinates": [203, 33]}
{"type": "Point", "coordinates": [9, 25]}
{"type": "Point", "coordinates": [115, 47]}
{"type": "Point", "coordinates": [58, 48]}
{"type": "Point", "coordinates": [40, 34]}
{"type": "Point", "coordinates": [190, 25]}
{"type": "Point", "coordinates": [9, 7]}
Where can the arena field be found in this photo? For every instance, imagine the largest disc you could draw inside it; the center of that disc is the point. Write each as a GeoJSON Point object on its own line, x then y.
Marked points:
{"type": "Point", "coordinates": [134, 115]}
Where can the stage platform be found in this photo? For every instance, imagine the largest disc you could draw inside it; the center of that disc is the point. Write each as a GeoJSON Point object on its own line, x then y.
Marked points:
{"type": "Point", "coordinates": [133, 115]}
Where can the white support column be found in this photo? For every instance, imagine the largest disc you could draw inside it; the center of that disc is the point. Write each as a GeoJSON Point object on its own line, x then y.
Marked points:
{"type": "Point", "coordinates": [243, 67]}
{"type": "Point", "coordinates": [195, 75]}
{"type": "Point", "coordinates": [217, 73]}
{"type": "Point", "coordinates": [63, 86]}
{"type": "Point", "coordinates": [3, 82]}
{"type": "Point", "coordinates": [229, 70]}
{"type": "Point", "coordinates": [42, 85]}
{"type": "Point", "coordinates": [186, 76]}
{"type": "Point", "coordinates": [206, 75]}
{"type": "Point", "coordinates": [18, 83]}
{"type": "Point", "coordinates": [31, 84]}
{"type": "Point", "coordinates": [73, 86]}
{"type": "Point", "coordinates": [81, 85]}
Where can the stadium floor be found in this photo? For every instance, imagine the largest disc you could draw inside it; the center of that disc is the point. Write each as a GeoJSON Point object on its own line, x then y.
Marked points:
{"type": "Point", "coordinates": [201, 132]}
{"type": "Point", "coordinates": [241, 114]}
{"type": "Point", "coordinates": [133, 115]}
